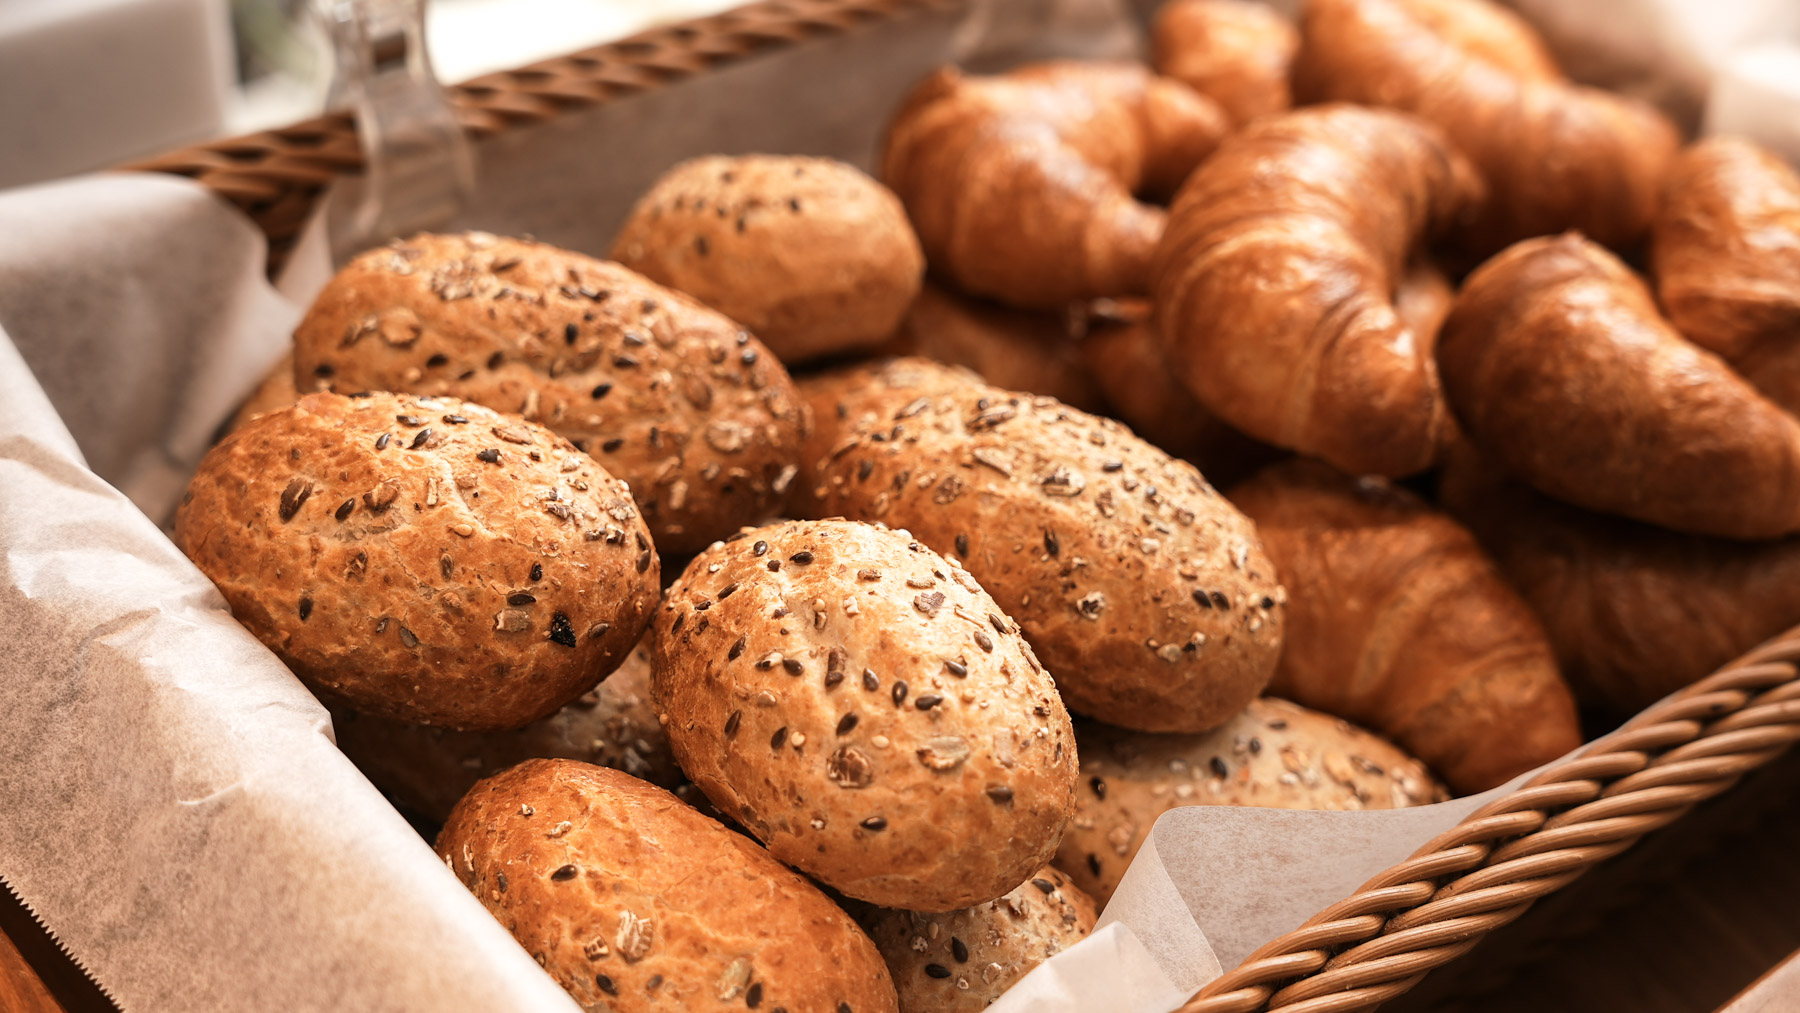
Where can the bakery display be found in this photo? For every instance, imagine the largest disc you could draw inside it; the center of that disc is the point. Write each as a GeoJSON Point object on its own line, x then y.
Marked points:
{"type": "Point", "coordinates": [1275, 283]}
{"type": "Point", "coordinates": [810, 254]}
{"type": "Point", "coordinates": [962, 961]}
{"type": "Point", "coordinates": [1560, 366]}
{"type": "Point", "coordinates": [1236, 52]}
{"type": "Point", "coordinates": [676, 400]}
{"type": "Point", "coordinates": [866, 710]}
{"type": "Point", "coordinates": [1726, 251]}
{"type": "Point", "coordinates": [428, 769]}
{"type": "Point", "coordinates": [1144, 591]}
{"type": "Point", "coordinates": [1555, 155]}
{"type": "Point", "coordinates": [631, 900]}
{"type": "Point", "coordinates": [1021, 185]}
{"type": "Point", "coordinates": [1398, 621]}
{"type": "Point", "coordinates": [1274, 754]}
{"type": "Point", "coordinates": [423, 558]}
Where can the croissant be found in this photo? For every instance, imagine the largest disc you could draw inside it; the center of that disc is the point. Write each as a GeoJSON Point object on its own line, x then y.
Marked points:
{"type": "Point", "coordinates": [1726, 253]}
{"type": "Point", "coordinates": [1235, 52]}
{"type": "Point", "coordinates": [1554, 155]}
{"type": "Point", "coordinates": [1029, 350]}
{"type": "Point", "coordinates": [1559, 365]}
{"type": "Point", "coordinates": [1275, 283]}
{"type": "Point", "coordinates": [1020, 186]}
{"type": "Point", "coordinates": [1633, 612]}
{"type": "Point", "coordinates": [1402, 624]}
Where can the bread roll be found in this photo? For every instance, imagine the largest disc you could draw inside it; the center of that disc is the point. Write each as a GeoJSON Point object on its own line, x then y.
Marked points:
{"type": "Point", "coordinates": [809, 253]}
{"type": "Point", "coordinates": [864, 709]}
{"type": "Point", "coordinates": [962, 961]}
{"type": "Point", "coordinates": [428, 769]}
{"type": "Point", "coordinates": [277, 390]}
{"type": "Point", "coordinates": [1025, 350]}
{"type": "Point", "coordinates": [1275, 755]}
{"type": "Point", "coordinates": [1401, 624]}
{"type": "Point", "coordinates": [1560, 367]}
{"type": "Point", "coordinates": [633, 901]}
{"type": "Point", "coordinates": [676, 400]}
{"type": "Point", "coordinates": [1147, 594]}
{"type": "Point", "coordinates": [426, 559]}
{"type": "Point", "coordinates": [1235, 52]}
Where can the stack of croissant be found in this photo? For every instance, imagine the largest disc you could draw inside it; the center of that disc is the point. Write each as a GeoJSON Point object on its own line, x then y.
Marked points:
{"type": "Point", "coordinates": [1500, 378]}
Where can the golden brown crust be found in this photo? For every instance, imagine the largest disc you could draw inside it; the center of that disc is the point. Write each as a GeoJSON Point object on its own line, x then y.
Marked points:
{"type": "Point", "coordinates": [1634, 612]}
{"type": "Point", "coordinates": [1274, 754]}
{"type": "Point", "coordinates": [428, 769]}
{"type": "Point", "coordinates": [633, 901]}
{"type": "Point", "coordinates": [1027, 350]}
{"type": "Point", "coordinates": [1235, 52]}
{"type": "Point", "coordinates": [427, 559]}
{"type": "Point", "coordinates": [1020, 185]}
{"type": "Point", "coordinates": [1147, 594]}
{"type": "Point", "coordinates": [810, 254]}
{"type": "Point", "coordinates": [1561, 368]}
{"type": "Point", "coordinates": [962, 961]}
{"type": "Point", "coordinates": [1555, 155]}
{"type": "Point", "coordinates": [1124, 354]}
{"type": "Point", "coordinates": [1275, 284]}
{"type": "Point", "coordinates": [1401, 623]}
{"type": "Point", "coordinates": [1726, 250]}
{"type": "Point", "coordinates": [277, 390]}
{"type": "Point", "coordinates": [865, 709]}
{"type": "Point", "coordinates": [674, 399]}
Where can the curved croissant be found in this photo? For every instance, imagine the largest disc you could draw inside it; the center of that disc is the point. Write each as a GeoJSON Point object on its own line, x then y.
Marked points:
{"type": "Point", "coordinates": [1726, 251]}
{"type": "Point", "coordinates": [1402, 624]}
{"type": "Point", "coordinates": [1235, 52]}
{"type": "Point", "coordinates": [1276, 278]}
{"type": "Point", "coordinates": [1560, 366]}
{"type": "Point", "coordinates": [1554, 155]}
{"type": "Point", "coordinates": [1020, 186]}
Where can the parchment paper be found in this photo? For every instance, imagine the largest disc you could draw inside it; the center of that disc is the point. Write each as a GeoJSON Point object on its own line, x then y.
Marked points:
{"type": "Point", "coordinates": [170, 801]}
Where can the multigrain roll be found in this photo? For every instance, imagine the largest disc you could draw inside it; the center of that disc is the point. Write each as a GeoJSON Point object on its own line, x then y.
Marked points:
{"type": "Point", "coordinates": [425, 559]}
{"type": "Point", "coordinates": [863, 708]}
{"type": "Point", "coordinates": [962, 961]}
{"type": "Point", "coordinates": [812, 255]}
{"type": "Point", "coordinates": [676, 400]}
{"type": "Point", "coordinates": [633, 901]}
{"type": "Point", "coordinates": [1145, 592]}
{"type": "Point", "coordinates": [428, 769]}
{"type": "Point", "coordinates": [1275, 754]}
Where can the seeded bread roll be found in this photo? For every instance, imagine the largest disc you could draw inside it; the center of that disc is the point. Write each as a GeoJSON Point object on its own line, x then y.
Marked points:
{"type": "Point", "coordinates": [1275, 755]}
{"type": "Point", "coordinates": [961, 961]}
{"type": "Point", "coordinates": [812, 255]}
{"type": "Point", "coordinates": [676, 400]}
{"type": "Point", "coordinates": [863, 708]}
{"type": "Point", "coordinates": [427, 769]}
{"type": "Point", "coordinates": [633, 901]}
{"type": "Point", "coordinates": [277, 390]}
{"type": "Point", "coordinates": [1144, 591]}
{"type": "Point", "coordinates": [426, 559]}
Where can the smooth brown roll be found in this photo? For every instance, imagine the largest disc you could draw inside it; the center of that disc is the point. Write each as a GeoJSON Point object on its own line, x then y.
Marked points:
{"type": "Point", "coordinates": [676, 400]}
{"type": "Point", "coordinates": [277, 390]}
{"type": "Point", "coordinates": [1275, 284]}
{"type": "Point", "coordinates": [1561, 368]}
{"type": "Point", "coordinates": [426, 559]}
{"type": "Point", "coordinates": [812, 255]}
{"type": "Point", "coordinates": [1634, 612]}
{"type": "Point", "coordinates": [1020, 185]}
{"type": "Point", "coordinates": [1554, 155]}
{"type": "Point", "coordinates": [1275, 755]}
{"type": "Point", "coordinates": [1029, 350]}
{"type": "Point", "coordinates": [1402, 624]}
{"type": "Point", "coordinates": [962, 961]}
{"type": "Point", "coordinates": [863, 708]}
{"type": "Point", "coordinates": [1235, 52]}
{"type": "Point", "coordinates": [635, 902]}
{"type": "Point", "coordinates": [1726, 251]}
{"type": "Point", "coordinates": [428, 769]}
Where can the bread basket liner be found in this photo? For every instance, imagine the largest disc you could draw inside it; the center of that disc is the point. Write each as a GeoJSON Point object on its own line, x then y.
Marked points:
{"type": "Point", "coordinates": [171, 804]}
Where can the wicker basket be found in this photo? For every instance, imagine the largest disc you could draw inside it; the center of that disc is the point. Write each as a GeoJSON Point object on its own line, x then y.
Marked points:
{"type": "Point", "coordinates": [1418, 916]}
